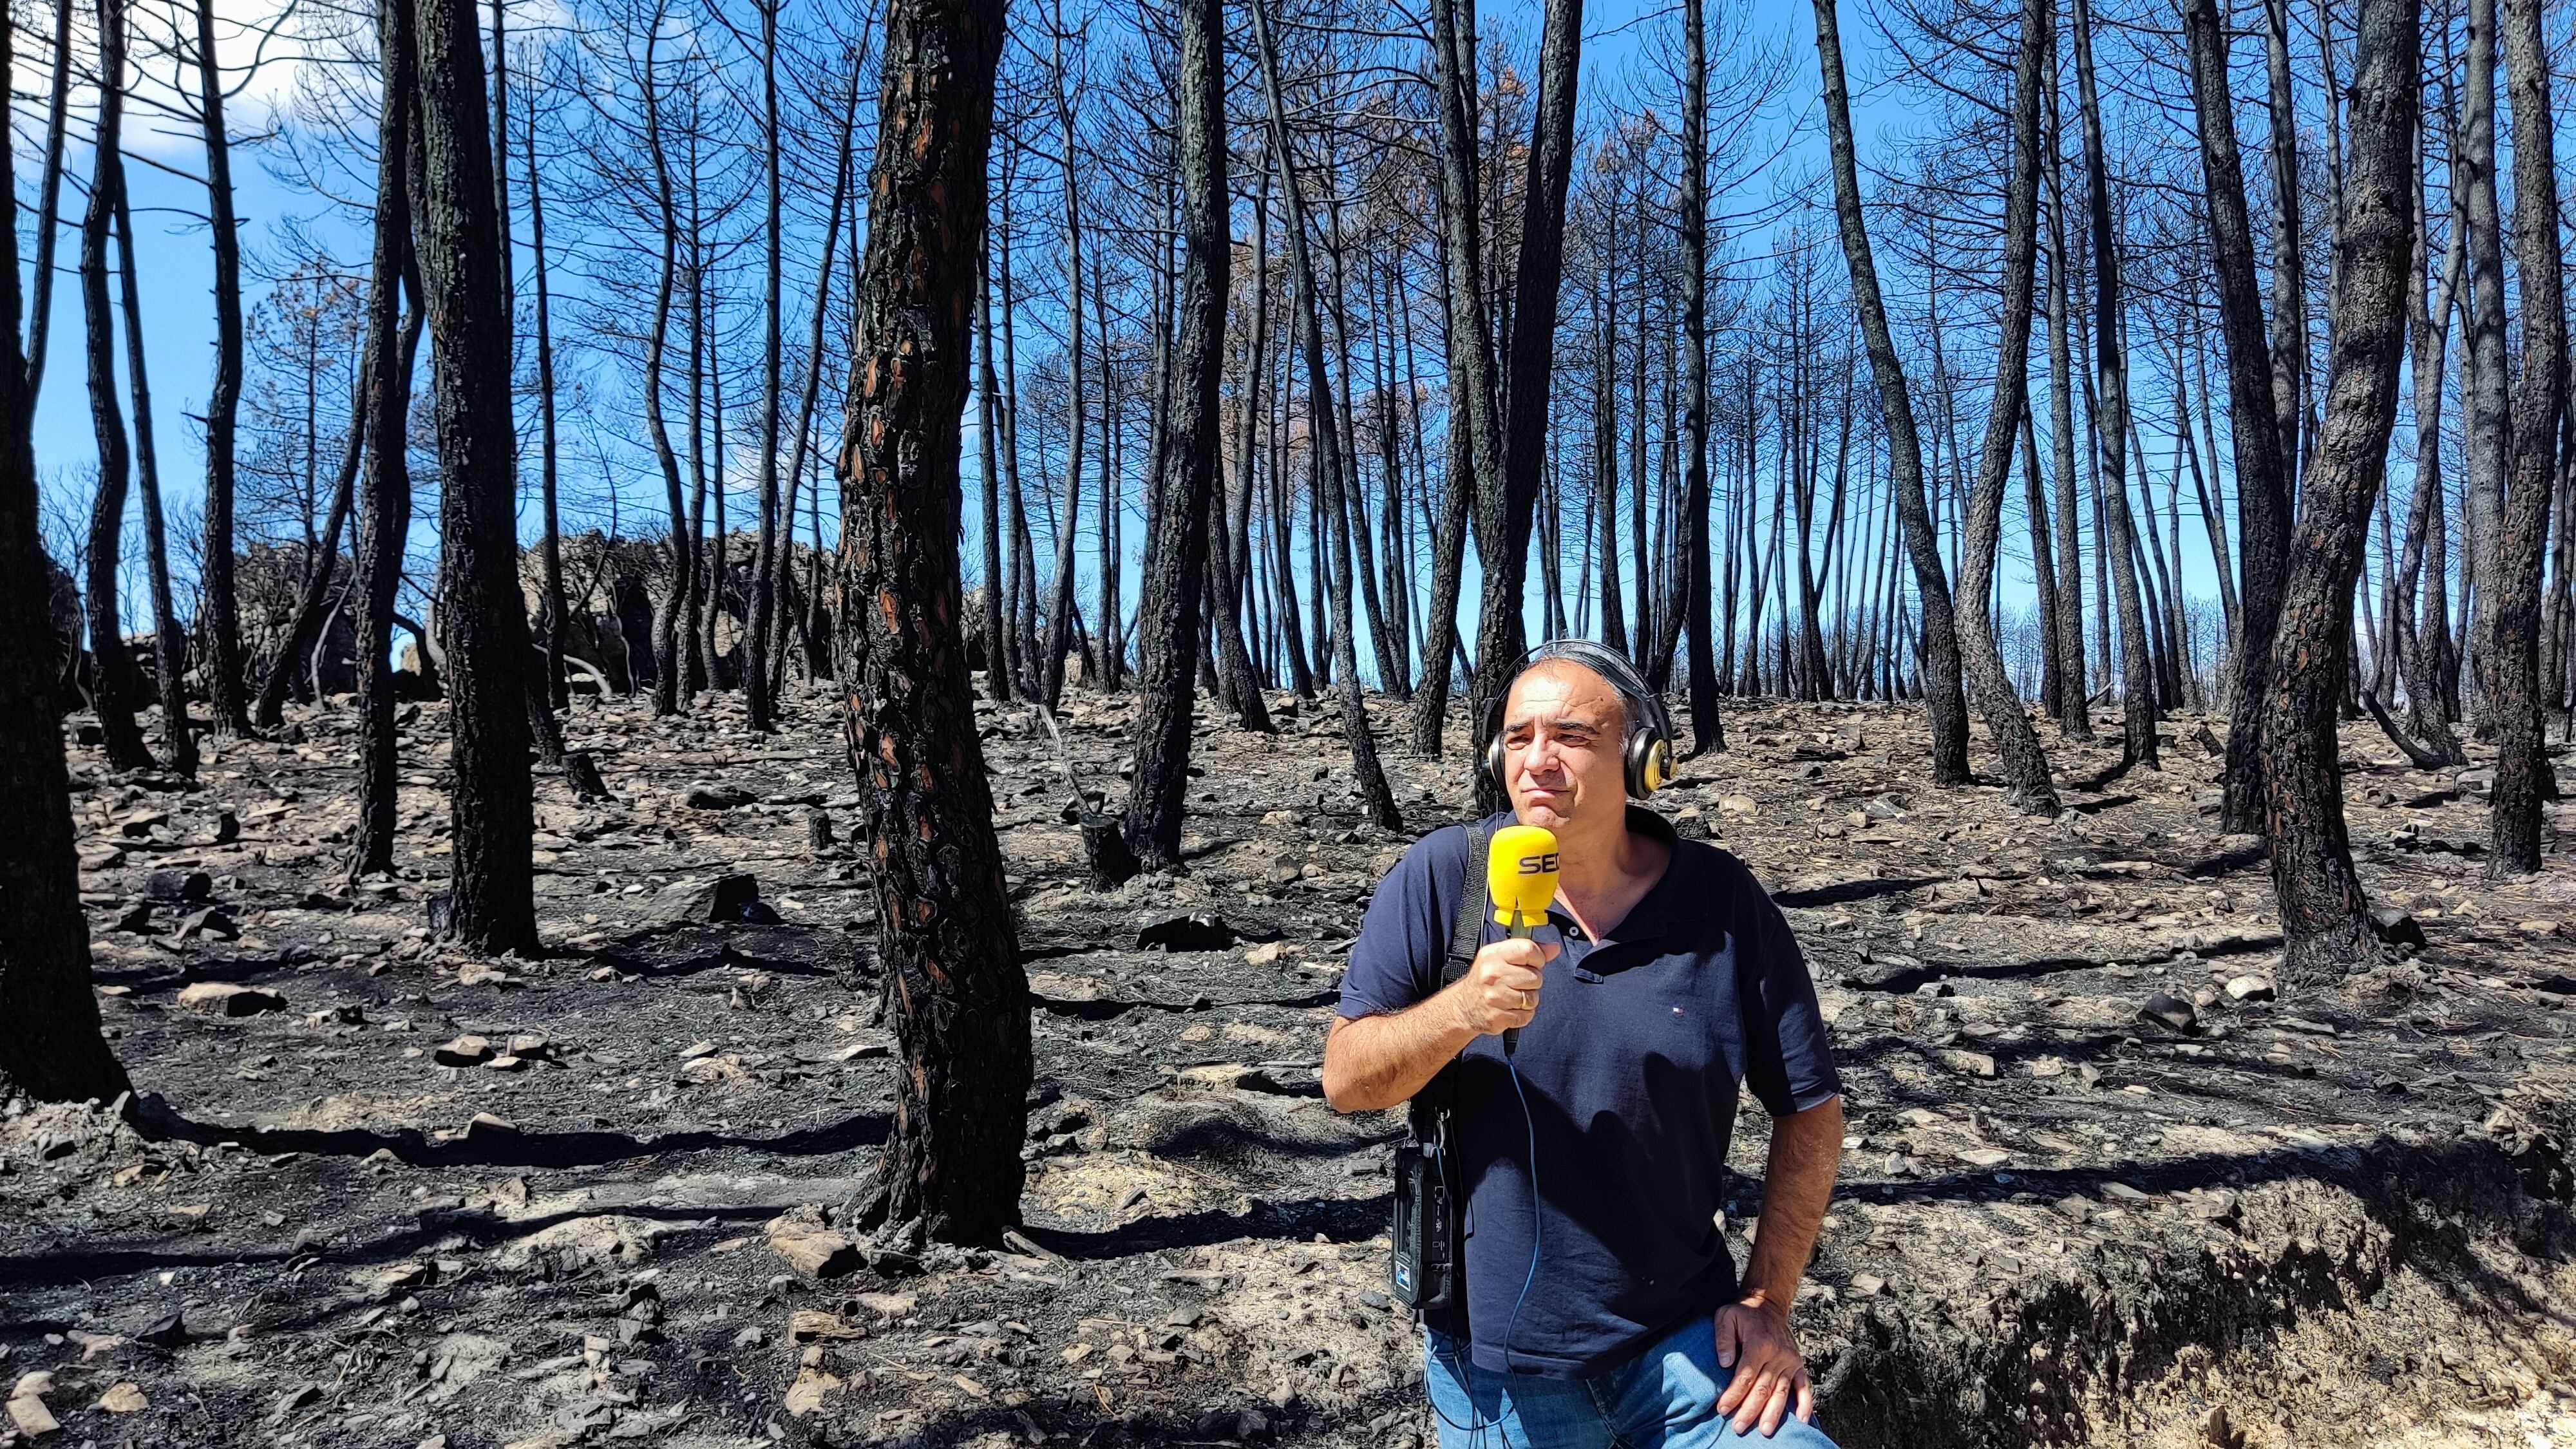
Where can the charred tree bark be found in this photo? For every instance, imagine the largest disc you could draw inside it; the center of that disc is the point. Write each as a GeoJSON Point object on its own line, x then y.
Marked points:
{"type": "Point", "coordinates": [1475, 447]}
{"type": "Point", "coordinates": [551, 601]}
{"type": "Point", "coordinates": [482, 614]}
{"type": "Point", "coordinates": [49, 203]}
{"type": "Point", "coordinates": [2486, 380]}
{"type": "Point", "coordinates": [759, 704]}
{"type": "Point", "coordinates": [996, 613]}
{"type": "Point", "coordinates": [1225, 603]}
{"type": "Point", "coordinates": [1945, 701]}
{"type": "Point", "coordinates": [113, 694]}
{"type": "Point", "coordinates": [1708, 731]}
{"type": "Point", "coordinates": [2111, 426]}
{"type": "Point", "coordinates": [1507, 510]}
{"type": "Point", "coordinates": [669, 648]}
{"type": "Point", "coordinates": [2262, 472]}
{"type": "Point", "coordinates": [2523, 779]}
{"type": "Point", "coordinates": [1059, 635]}
{"type": "Point", "coordinates": [2422, 566]}
{"type": "Point", "coordinates": [1332, 470]}
{"type": "Point", "coordinates": [1233, 564]}
{"type": "Point", "coordinates": [1185, 475]}
{"type": "Point", "coordinates": [2324, 918]}
{"type": "Point", "coordinates": [225, 688]}
{"type": "Point", "coordinates": [2289, 249]}
{"type": "Point", "coordinates": [2074, 701]}
{"type": "Point", "coordinates": [2043, 562]}
{"type": "Point", "coordinates": [52, 1050]}
{"type": "Point", "coordinates": [951, 1169]}
{"type": "Point", "coordinates": [169, 644]}
{"type": "Point", "coordinates": [2025, 764]}
{"type": "Point", "coordinates": [385, 519]}
{"type": "Point", "coordinates": [313, 607]}
{"type": "Point", "coordinates": [1604, 523]}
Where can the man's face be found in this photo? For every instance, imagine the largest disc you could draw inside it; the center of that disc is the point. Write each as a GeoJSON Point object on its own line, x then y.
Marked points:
{"type": "Point", "coordinates": [1563, 732]}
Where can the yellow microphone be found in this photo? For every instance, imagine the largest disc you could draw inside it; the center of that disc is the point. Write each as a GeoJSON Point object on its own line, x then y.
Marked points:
{"type": "Point", "coordinates": [1520, 880]}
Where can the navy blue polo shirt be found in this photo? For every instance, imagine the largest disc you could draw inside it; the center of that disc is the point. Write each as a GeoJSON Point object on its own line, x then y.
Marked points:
{"type": "Point", "coordinates": [1631, 1068]}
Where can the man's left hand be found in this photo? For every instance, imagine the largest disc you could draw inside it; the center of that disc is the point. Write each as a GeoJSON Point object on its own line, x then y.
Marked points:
{"type": "Point", "coordinates": [1754, 1340]}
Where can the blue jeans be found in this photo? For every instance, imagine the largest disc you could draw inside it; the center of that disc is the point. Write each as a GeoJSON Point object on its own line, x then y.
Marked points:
{"type": "Point", "coordinates": [1665, 1398]}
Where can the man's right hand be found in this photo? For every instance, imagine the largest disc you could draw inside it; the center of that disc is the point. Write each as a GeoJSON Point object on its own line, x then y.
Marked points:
{"type": "Point", "coordinates": [1500, 990]}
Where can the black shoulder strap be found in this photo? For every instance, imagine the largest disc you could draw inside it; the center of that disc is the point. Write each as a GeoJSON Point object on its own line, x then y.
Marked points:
{"type": "Point", "coordinates": [1467, 931]}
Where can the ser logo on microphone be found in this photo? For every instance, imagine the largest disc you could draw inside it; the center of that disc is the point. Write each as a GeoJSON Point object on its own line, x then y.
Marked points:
{"type": "Point", "coordinates": [1539, 864]}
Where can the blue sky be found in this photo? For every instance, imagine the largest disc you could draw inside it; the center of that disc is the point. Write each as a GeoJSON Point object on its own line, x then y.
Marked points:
{"type": "Point", "coordinates": [176, 274]}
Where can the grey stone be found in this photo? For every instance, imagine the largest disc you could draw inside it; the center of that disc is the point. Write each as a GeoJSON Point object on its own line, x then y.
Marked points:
{"type": "Point", "coordinates": [173, 884]}
{"type": "Point", "coordinates": [2169, 1011]}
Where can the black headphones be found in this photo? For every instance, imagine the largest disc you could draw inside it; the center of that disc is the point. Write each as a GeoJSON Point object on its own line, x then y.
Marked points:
{"type": "Point", "coordinates": [1647, 757]}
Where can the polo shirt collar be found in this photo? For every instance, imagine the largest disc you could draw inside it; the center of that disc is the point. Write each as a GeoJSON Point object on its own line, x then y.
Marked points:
{"type": "Point", "coordinates": [1679, 895]}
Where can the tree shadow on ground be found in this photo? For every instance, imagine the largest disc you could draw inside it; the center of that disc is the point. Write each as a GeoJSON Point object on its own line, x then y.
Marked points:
{"type": "Point", "coordinates": [156, 1120]}
{"type": "Point", "coordinates": [1337, 1219]}
{"type": "Point", "coordinates": [484, 1226]}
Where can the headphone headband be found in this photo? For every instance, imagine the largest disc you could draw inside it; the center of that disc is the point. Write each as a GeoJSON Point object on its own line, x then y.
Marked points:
{"type": "Point", "coordinates": [1646, 709]}
{"type": "Point", "coordinates": [1648, 749]}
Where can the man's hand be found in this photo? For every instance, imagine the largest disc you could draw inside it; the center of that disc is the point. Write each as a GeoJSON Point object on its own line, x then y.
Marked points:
{"type": "Point", "coordinates": [1500, 990]}
{"type": "Point", "coordinates": [1753, 1338]}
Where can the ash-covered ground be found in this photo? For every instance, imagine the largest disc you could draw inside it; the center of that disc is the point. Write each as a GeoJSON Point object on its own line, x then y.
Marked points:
{"type": "Point", "coordinates": [378, 1193]}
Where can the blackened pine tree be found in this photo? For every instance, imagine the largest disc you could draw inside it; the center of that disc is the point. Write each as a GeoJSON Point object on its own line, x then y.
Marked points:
{"type": "Point", "coordinates": [52, 1048]}
{"type": "Point", "coordinates": [384, 519]}
{"type": "Point", "coordinates": [2262, 473]}
{"type": "Point", "coordinates": [2325, 922]}
{"type": "Point", "coordinates": [482, 614]}
{"type": "Point", "coordinates": [1185, 477]}
{"type": "Point", "coordinates": [2523, 778]}
{"type": "Point", "coordinates": [951, 1169]}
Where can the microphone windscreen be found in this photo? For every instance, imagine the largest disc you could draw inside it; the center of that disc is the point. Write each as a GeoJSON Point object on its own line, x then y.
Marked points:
{"type": "Point", "coordinates": [1520, 873]}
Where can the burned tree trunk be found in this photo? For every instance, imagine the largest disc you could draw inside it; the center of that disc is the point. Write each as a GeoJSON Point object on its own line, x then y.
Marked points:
{"type": "Point", "coordinates": [2422, 565]}
{"type": "Point", "coordinates": [1185, 476]}
{"type": "Point", "coordinates": [49, 198]}
{"type": "Point", "coordinates": [1332, 468]}
{"type": "Point", "coordinates": [2025, 764]}
{"type": "Point", "coordinates": [1059, 635]}
{"type": "Point", "coordinates": [1708, 731]}
{"type": "Point", "coordinates": [995, 616]}
{"type": "Point", "coordinates": [1475, 436]}
{"type": "Point", "coordinates": [2111, 427]}
{"type": "Point", "coordinates": [1508, 503]}
{"type": "Point", "coordinates": [2487, 427]}
{"type": "Point", "coordinates": [2074, 700]}
{"type": "Point", "coordinates": [2540, 396]}
{"type": "Point", "coordinates": [169, 645]}
{"type": "Point", "coordinates": [482, 614]}
{"type": "Point", "coordinates": [760, 706]}
{"type": "Point", "coordinates": [669, 648]}
{"type": "Point", "coordinates": [2262, 472]}
{"type": "Point", "coordinates": [224, 684]}
{"type": "Point", "coordinates": [52, 1049]}
{"type": "Point", "coordinates": [2325, 923]}
{"type": "Point", "coordinates": [112, 693]}
{"type": "Point", "coordinates": [951, 1170]}
{"type": "Point", "coordinates": [313, 607]}
{"type": "Point", "coordinates": [385, 518]}
{"type": "Point", "coordinates": [551, 601]}
{"type": "Point", "coordinates": [1945, 702]}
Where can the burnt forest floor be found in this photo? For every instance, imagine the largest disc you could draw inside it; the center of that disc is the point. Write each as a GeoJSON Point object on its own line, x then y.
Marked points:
{"type": "Point", "coordinates": [2324, 1220]}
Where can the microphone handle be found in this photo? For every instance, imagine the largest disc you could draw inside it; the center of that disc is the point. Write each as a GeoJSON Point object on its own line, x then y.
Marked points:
{"type": "Point", "coordinates": [1520, 931]}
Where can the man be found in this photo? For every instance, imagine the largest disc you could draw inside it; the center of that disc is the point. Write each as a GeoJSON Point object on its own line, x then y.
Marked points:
{"type": "Point", "coordinates": [1602, 1305]}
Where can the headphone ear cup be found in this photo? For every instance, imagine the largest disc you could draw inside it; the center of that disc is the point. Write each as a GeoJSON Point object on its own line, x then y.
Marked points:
{"type": "Point", "coordinates": [1639, 759]}
{"type": "Point", "coordinates": [1494, 755]}
{"type": "Point", "coordinates": [1659, 764]}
